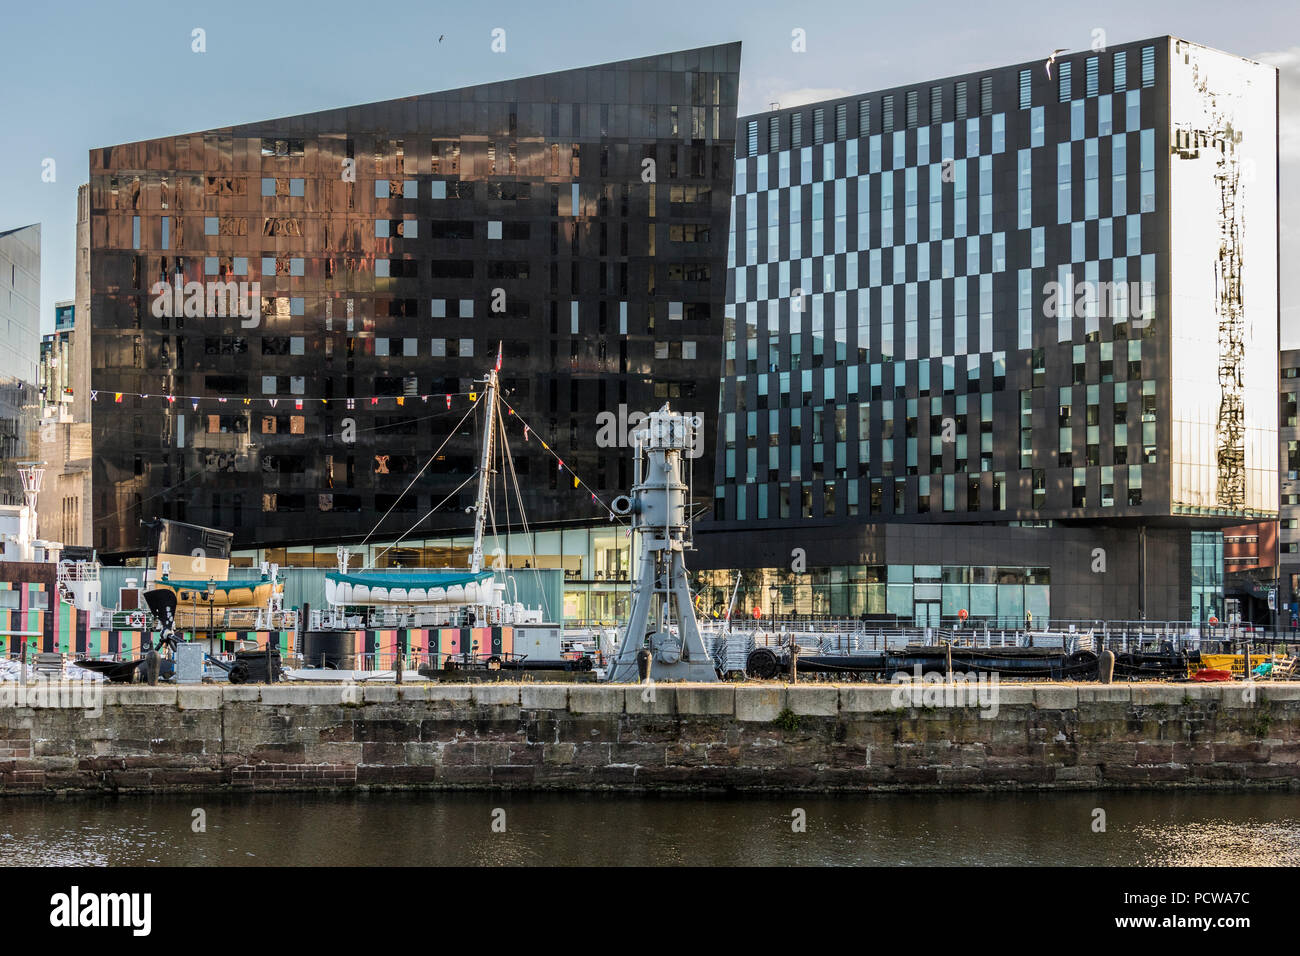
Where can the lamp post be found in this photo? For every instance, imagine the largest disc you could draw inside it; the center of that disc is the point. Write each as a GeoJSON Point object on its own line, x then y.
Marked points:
{"type": "Point", "coordinates": [772, 592]}
{"type": "Point", "coordinates": [208, 595]}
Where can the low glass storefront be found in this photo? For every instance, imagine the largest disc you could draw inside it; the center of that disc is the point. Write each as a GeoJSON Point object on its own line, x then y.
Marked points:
{"type": "Point", "coordinates": [597, 580]}
{"type": "Point", "coordinates": [927, 595]}
{"type": "Point", "coordinates": [1207, 575]}
{"type": "Point", "coordinates": [596, 563]}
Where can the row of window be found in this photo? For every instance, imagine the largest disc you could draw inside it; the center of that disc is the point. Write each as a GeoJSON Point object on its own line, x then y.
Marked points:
{"type": "Point", "coordinates": [939, 107]}
{"type": "Point", "coordinates": [918, 495]}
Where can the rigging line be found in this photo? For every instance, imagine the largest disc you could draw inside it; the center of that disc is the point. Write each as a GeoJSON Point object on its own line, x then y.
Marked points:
{"type": "Point", "coordinates": [420, 472]}
{"type": "Point", "coordinates": [523, 520]}
{"type": "Point", "coordinates": [426, 515]}
{"type": "Point", "coordinates": [582, 484]}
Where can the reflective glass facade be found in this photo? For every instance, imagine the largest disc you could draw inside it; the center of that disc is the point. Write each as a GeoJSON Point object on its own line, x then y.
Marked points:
{"type": "Point", "coordinates": [957, 305]}
{"type": "Point", "coordinates": [904, 594]}
{"type": "Point", "coordinates": [952, 308]}
{"type": "Point", "coordinates": [578, 217]}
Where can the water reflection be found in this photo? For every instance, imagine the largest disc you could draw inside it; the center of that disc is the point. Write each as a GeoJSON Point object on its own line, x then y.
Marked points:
{"type": "Point", "coordinates": [548, 829]}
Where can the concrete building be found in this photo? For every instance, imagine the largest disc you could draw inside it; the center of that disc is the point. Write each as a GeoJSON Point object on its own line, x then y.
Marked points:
{"type": "Point", "coordinates": [65, 445]}
{"type": "Point", "coordinates": [20, 330]}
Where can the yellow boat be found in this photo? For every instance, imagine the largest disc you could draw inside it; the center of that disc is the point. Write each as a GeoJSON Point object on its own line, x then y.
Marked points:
{"type": "Point", "coordinates": [224, 594]}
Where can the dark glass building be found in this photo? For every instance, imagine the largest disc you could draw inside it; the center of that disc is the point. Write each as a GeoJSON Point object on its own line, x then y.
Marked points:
{"type": "Point", "coordinates": [1003, 343]}
{"type": "Point", "coordinates": [289, 316]}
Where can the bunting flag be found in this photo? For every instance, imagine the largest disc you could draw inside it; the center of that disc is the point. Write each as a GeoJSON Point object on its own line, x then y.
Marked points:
{"type": "Point", "coordinates": [559, 465]}
{"type": "Point", "coordinates": [196, 401]}
{"type": "Point", "coordinates": [298, 404]}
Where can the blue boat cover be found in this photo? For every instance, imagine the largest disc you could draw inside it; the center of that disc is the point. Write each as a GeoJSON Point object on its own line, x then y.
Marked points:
{"type": "Point", "coordinates": [428, 578]}
{"type": "Point", "coordinates": [216, 585]}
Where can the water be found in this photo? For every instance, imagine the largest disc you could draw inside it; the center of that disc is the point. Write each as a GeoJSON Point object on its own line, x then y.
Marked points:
{"type": "Point", "coordinates": [406, 829]}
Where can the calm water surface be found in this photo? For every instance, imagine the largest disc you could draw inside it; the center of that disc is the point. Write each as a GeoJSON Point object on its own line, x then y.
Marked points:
{"type": "Point", "coordinates": [421, 829]}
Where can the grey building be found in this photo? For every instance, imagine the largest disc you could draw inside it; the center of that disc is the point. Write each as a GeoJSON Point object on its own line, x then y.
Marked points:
{"type": "Point", "coordinates": [1002, 343]}
{"type": "Point", "coordinates": [20, 336]}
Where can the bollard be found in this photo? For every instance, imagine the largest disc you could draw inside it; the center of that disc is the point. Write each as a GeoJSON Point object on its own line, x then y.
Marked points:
{"type": "Point", "coordinates": [153, 664]}
{"type": "Point", "coordinates": [1106, 666]}
{"type": "Point", "coordinates": [643, 661]}
{"type": "Point", "coordinates": [948, 656]}
{"type": "Point", "coordinates": [397, 666]}
{"type": "Point", "coordinates": [794, 662]}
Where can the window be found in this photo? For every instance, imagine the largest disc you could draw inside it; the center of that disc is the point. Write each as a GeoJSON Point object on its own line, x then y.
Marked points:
{"type": "Point", "coordinates": [887, 115]}
{"type": "Point", "coordinates": [936, 105]}
{"type": "Point", "coordinates": [819, 126]}
{"type": "Point", "coordinates": [911, 109]}
{"type": "Point", "coordinates": [1063, 82]}
{"type": "Point", "coordinates": [1148, 66]}
{"type": "Point", "coordinates": [959, 99]}
{"type": "Point", "coordinates": [864, 120]}
{"type": "Point", "coordinates": [986, 96]}
{"type": "Point", "coordinates": [1024, 89]}
{"type": "Point", "coordinates": [841, 121]}
{"type": "Point", "coordinates": [1090, 67]}
{"type": "Point", "coordinates": [1120, 71]}
{"type": "Point", "coordinates": [773, 134]}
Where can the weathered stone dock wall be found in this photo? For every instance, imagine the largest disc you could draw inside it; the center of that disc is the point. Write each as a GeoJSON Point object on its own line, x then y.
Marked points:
{"type": "Point", "coordinates": [746, 736]}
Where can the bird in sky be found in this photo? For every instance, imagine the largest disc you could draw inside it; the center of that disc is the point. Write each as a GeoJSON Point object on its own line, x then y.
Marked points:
{"type": "Point", "coordinates": [440, 37]}
{"type": "Point", "coordinates": [1052, 59]}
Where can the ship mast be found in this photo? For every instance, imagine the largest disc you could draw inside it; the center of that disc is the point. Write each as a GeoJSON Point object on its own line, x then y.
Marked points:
{"type": "Point", "coordinates": [485, 465]}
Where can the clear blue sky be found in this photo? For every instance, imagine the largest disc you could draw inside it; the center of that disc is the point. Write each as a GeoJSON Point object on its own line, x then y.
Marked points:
{"type": "Point", "coordinates": [78, 75]}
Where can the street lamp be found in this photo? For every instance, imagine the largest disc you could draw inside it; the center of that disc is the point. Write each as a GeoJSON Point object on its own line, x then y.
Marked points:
{"type": "Point", "coordinates": [772, 593]}
{"type": "Point", "coordinates": [209, 595]}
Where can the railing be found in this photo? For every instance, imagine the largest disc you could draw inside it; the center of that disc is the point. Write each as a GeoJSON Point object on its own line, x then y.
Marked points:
{"type": "Point", "coordinates": [78, 571]}
{"type": "Point", "coordinates": [222, 619]}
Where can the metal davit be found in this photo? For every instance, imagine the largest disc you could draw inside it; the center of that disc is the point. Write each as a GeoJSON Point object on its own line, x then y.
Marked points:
{"type": "Point", "coordinates": [662, 621]}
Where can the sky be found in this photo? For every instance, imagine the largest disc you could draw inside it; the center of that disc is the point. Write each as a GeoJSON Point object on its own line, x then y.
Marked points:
{"type": "Point", "coordinates": [80, 75]}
